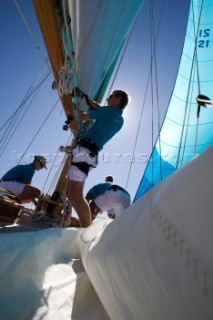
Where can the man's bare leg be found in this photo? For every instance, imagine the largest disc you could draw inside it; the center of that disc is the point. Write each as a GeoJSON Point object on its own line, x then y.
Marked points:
{"type": "Point", "coordinates": [28, 194]}
{"type": "Point", "coordinates": [74, 193]}
{"type": "Point", "coordinates": [94, 209]}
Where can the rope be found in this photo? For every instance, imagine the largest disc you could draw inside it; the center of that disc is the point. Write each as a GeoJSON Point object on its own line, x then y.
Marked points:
{"type": "Point", "coordinates": [45, 182]}
{"type": "Point", "coordinates": [187, 127]}
{"type": "Point", "coordinates": [145, 96]}
{"type": "Point", "coordinates": [8, 134]}
{"type": "Point", "coordinates": [55, 178]}
{"type": "Point", "coordinates": [25, 97]}
{"type": "Point", "coordinates": [66, 80]}
{"type": "Point", "coordinates": [38, 130]}
{"type": "Point", "coordinates": [121, 59]}
{"type": "Point", "coordinates": [31, 34]}
{"type": "Point", "coordinates": [194, 68]}
{"type": "Point", "coordinates": [152, 54]}
{"type": "Point", "coordinates": [67, 73]}
{"type": "Point", "coordinates": [185, 113]}
{"type": "Point", "coordinates": [196, 33]}
{"type": "Point", "coordinates": [157, 94]}
{"type": "Point", "coordinates": [197, 69]}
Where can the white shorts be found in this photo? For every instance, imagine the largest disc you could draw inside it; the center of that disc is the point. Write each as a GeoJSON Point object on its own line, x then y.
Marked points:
{"type": "Point", "coordinates": [117, 200]}
{"type": "Point", "coordinates": [12, 186]}
{"type": "Point", "coordinates": [81, 154]}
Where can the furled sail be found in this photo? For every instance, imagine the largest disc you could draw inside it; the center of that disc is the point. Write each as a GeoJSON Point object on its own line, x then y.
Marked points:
{"type": "Point", "coordinates": [188, 128]}
{"type": "Point", "coordinates": [91, 35]}
{"type": "Point", "coordinates": [99, 29]}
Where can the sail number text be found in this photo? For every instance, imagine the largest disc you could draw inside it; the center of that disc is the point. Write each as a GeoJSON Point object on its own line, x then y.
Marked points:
{"type": "Point", "coordinates": [204, 33]}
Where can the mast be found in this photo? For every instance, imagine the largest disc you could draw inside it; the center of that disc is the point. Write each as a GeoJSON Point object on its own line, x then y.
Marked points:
{"type": "Point", "coordinates": [50, 27]}
{"type": "Point", "coordinates": [45, 11]}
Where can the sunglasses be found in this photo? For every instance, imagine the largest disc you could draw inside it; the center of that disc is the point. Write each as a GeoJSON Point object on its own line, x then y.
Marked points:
{"type": "Point", "coordinates": [114, 95]}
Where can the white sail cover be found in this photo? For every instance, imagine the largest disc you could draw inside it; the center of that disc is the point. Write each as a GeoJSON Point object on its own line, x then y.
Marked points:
{"type": "Point", "coordinates": [154, 262]}
{"type": "Point", "coordinates": [42, 276]}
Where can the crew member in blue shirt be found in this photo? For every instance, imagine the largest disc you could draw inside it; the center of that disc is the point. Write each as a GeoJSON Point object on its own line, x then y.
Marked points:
{"type": "Point", "coordinates": [107, 197]}
{"type": "Point", "coordinates": [108, 121]}
{"type": "Point", "coordinates": [18, 180]}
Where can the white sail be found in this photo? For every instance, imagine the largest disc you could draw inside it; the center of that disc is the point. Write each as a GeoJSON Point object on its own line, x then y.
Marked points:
{"type": "Point", "coordinates": [99, 29]}
{"type": "Point", "coordinates": [155, 261]}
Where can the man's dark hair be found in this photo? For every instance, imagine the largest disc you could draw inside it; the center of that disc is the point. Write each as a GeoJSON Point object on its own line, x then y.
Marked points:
{"type": "Point", "coordinates": [109, 179]}
{"type": "Point", "coordinates": [124, 97]}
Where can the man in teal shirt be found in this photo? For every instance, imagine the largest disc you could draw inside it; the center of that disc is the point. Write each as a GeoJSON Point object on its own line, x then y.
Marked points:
{"type": "Point", "coordinates": [18, 180]}
{"type": "Point", "coordinates": [108, 121]}
{"type": "Point", "coordinates": [107, 197]}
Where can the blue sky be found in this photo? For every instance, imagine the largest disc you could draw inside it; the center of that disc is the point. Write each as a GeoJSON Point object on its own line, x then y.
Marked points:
{"type": "Point", "coordinates": [21, 61]}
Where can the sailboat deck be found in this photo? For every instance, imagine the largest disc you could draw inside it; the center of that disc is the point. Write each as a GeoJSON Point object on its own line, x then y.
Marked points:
{"type": "Point", "coordinates": [11, 228]}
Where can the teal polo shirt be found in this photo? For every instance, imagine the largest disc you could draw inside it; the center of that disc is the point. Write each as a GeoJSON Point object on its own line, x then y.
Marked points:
{"type": "Point", "coordinates": [99, 189]}
{"type": "Point", "coordinates": [108, 121]}
{"type": "Point", "coordinates": [20, 173]}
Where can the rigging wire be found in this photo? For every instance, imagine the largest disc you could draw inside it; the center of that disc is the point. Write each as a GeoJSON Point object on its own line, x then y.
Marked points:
{"type": "Point", "coordinates": [36, 43]}
{"type": "Point", "coordinates": [31, 34]}
{"type": "Point", "coordinates": [18, 110]}
{"type": "Point", "coordinates": [194, 68]}
{"type": "Point", "coordinates": [121, 58]}
{"type": "Point", "coordinates": [185, 113]}
{"type": "Point", "coordinates": [152, 54]}
{"type": "Point", "coordinates": [57, 174]}
{"type": "Point", "coordinates": [197, 69]}
{"type": "Point", "coordinates": [27, 95]}
{"type": "Point", "coordinates": [157, 97]}
{"type": "Point", "coordinates": [69, 57]}
{"type": "Point", "coordinates": [196, 33]}
{"type": "Point", "coordinates": [146, 92]}
{"type": "Point", "coordinates": [8, 134]}
{"type": "Point", "coordinates": [187, 109]}
{"type": "Point", "coordinates": [187, 127]}
{"type": "Point", "coordinates": [55, 178]}
{"type": "Point", "coordinates": [45, 120]}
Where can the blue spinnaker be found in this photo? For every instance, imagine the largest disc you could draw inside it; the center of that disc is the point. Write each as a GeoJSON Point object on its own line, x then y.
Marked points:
{"type": "Point", "coordinates": [185, 135]}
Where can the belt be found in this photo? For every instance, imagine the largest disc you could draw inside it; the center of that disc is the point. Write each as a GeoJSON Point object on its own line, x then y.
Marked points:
{"type": "Point", "coordinates": [3, 180]}
{"type": "Point", "coordinates": [89, 144]}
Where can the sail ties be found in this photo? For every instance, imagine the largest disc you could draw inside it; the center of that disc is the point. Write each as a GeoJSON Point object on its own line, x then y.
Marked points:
{"type": "Point", "coordinates": [67, 73]}
{"type": "Point", "coordinates": [66, 81]}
